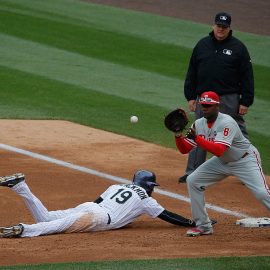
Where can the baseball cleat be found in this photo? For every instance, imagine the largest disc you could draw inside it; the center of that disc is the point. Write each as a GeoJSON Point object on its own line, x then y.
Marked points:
{"type": "Point", "coordinates": [11, 232]}
{"type": "Point", "coordinates": [213, 221]}
{"type": "Point", "coordinates": [197, 231]}
{"type": "Point", "coordinates": [11, 180]}
{"type": "Point", "coordinates": [183, 179]}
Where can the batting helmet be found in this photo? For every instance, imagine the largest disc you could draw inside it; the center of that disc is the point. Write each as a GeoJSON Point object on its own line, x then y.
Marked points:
{"type": "Point", "coordinates": [146, 180]}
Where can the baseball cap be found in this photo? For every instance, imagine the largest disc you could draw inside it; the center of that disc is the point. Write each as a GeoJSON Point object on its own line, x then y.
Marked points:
{"type": "Point", "coordinates": [209, 98]}
{"type": "Point", "coordinates": [223, 18]}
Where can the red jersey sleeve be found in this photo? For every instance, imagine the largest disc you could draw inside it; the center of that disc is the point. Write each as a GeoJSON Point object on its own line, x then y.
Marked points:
{"type": "Point", "coordinates": [183, 145]}
{"type": "Point", "coordinates": [215, 148]}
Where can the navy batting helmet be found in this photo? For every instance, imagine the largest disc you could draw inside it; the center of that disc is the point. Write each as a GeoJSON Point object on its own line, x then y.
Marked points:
{"type": "Point", "coordinates": [146, 180]}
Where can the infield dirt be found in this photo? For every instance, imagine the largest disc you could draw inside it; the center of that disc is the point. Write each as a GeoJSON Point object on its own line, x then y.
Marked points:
{"type": "Point", "coordinates": [60, 188]}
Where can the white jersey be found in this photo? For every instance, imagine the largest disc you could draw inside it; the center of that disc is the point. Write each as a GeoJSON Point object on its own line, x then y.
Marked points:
{"type": "Point", "coordinates": [120, 206]}
{"type": "Point", "coordinates": [124, 203]}
{"type": "Point", "coordinates": [226, 131]}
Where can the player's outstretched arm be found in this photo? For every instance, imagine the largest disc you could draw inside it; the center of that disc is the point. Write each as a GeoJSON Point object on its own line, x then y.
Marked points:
{"type": "Point", "coordinates": [176, 219]}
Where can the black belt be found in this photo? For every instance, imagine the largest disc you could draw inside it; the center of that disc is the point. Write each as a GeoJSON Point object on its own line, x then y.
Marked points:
{"type": "Point", "coordinates": [109, 219]}
{"type": "Point", "coordinates": [245, 155]}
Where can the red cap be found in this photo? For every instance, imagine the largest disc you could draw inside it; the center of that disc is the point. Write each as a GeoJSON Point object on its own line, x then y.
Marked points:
{"type": "Point", "coordinates": [209, 98]}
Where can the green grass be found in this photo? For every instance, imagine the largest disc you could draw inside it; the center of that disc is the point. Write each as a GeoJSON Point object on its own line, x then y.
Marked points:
{"type": "Point", "coordinates": [261, 81]}
{"type": "Point", "coordinates": [106, 45]}
{"type": "Point", "coordinates": [226, 263]}
{"type": "Point", "coordinates": [34, 97]}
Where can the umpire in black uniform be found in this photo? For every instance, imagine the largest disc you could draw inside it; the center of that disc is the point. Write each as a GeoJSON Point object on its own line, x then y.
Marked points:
{"type": "Point", "coordinates": [219, 63]}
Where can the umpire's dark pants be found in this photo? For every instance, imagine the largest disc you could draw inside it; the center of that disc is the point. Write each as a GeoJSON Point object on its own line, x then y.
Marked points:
{"type": "Point", "coordinates": [229, 104]}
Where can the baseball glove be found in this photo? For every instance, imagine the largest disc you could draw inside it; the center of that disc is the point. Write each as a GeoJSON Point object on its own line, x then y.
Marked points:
{"type": "Point", "coordinates": [176, 120]}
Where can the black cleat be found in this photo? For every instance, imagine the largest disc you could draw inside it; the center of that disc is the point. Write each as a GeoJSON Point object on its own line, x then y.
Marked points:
{"type": "Point", "coordinates": [11, 232]}
{"type": "Point", "coordinates": [183, 179]}
{"type": "Point", "coordinates": [213, 221]}
{"type": "Point", "coordinates": [11, 180]}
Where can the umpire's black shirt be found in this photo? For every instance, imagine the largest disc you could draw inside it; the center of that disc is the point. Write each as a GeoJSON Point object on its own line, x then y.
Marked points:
{"type": "Point", "coordinates": [220, 66]}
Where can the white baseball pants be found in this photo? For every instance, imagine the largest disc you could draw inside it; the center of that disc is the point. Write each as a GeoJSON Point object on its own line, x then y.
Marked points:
{"type": "Point", "coordinates": [85, 217]}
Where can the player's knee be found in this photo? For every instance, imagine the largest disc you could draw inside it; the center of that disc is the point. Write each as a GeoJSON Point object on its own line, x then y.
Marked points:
{"type": "Point", "coordinates": [82, 224]}
{"type": "Point", "coordinates": [192, 180]}
{"type": "Point", "coordinates": [189, 180]}
{"type": "Point", "coordinates": [262, 194]}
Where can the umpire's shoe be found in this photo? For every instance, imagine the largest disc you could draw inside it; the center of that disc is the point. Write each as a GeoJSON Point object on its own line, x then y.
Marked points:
{"type": "Point", "coordinates": [183, 179]}
{"type": "Point", "coordinates": [11, 232]}
{"type": "Point", "coordinates": [11, 180]}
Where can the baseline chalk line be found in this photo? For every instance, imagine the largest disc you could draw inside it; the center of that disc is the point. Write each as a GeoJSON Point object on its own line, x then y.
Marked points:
{"type": "Point", "coordinates": [115, 178]}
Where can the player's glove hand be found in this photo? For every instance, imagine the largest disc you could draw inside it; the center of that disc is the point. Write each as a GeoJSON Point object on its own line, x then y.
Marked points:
{"type": "Point", "coordinates": [191, 134]}
{"type": "Point", "coordinates": [176, 121]}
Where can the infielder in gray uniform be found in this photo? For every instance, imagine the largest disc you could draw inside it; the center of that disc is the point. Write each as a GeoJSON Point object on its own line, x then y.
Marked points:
{"type": "Point", "coordinates": [220, 135]}
{"type": "Point", "coordinates": [117, 207]}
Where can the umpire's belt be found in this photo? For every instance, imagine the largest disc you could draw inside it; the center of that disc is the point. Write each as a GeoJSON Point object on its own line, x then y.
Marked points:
{"type": "Point", "coordinates": [109, 219]}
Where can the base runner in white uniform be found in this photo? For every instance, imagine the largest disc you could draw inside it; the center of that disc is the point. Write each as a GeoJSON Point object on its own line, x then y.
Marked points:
{"type": "Point", "coordinates": [220, 135]}
{"type": "Point", "coordinates": [118, 206]}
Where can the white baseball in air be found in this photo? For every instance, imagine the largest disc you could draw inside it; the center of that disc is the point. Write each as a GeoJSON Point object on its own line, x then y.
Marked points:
{"type": "Point", "coordinates": [134, 119]}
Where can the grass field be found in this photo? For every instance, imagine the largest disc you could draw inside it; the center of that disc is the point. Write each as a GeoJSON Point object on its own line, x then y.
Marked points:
{"type": "Point", "coordinates": [232, 263]}
{"type": "Point", "coordinates": [97, 65]}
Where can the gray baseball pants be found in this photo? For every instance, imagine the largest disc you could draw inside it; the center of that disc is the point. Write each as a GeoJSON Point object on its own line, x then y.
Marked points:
{"type": "Point", "coordinates": [247, 169]}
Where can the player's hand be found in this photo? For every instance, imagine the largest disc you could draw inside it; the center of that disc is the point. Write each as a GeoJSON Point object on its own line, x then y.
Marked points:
{"type": "Point", "coordinates": [191, 134]}
{"type": "Point", "coordinates": [243, 110]}
{"type": "Point", "coordinates": [178, 134]}
{"type": "Point", "coordinates": [192, 105]}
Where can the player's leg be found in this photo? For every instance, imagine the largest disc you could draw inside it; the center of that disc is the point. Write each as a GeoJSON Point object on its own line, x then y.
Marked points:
{"type": "Point", "coordinates": [50, 227]}
{"type": "Point", "coordinates": [45, 228]}
{"type": "Point", "coordinates": [36, 207]}
{"type": "Point", "coordinates": [95, 219]}
{"type": "Point", "coordinates": [249, 171]}
{"type": "Point", "coordinates": [196, 157]}
{"type": "Point", "coordinates": [210, 172]}
{"type": "Point", "coordinates": [78, 222]}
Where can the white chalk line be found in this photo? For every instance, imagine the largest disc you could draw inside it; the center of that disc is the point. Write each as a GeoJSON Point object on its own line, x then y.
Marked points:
{"type": "Point", "coordinates": [115, 178]}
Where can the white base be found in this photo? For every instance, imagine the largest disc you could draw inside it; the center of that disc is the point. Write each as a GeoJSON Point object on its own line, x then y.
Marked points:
{"type": "Point", "coordinates": [254, 222]}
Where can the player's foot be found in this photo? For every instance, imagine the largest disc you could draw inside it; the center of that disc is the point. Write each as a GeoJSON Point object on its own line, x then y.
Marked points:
{"type": "Point", "coordinates": [11, 180]}
{"type": "Point", "coordinates": [213, 221]}
{"type": "Point", "coordinates": [198, 231]}
{"type": "Point", "coordinates": [11, 232]}
{"type": "Point", "coordinates": [183, 179]}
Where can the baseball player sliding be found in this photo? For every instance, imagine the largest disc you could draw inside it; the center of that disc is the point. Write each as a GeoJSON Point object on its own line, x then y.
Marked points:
{"type": "Point", "coordinates": [220, 135]}
{"type": "Point", "coordinates": [117, 207]}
